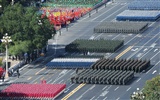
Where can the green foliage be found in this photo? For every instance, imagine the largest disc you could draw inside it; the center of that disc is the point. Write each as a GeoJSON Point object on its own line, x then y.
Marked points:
{"type": "Point", "coordinates": [1, 63]}
{"type": "Point", "coordinates": [78, 3]}
{"type": "Point", "coordinates": [152, 89]}
{"type": "Point", "coordinates": [21, 23]}
{"type": "Point", "coordinates": [94, 45]}
{"type": "Point", "coordinates": [20, 47]}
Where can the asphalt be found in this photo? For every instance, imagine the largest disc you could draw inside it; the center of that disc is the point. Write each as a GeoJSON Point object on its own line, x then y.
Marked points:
{"type": "Point", "coordinates": [146, 45]}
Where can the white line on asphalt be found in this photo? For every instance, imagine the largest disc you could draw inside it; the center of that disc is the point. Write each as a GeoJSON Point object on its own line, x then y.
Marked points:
{"type": "Point", "coordinates": [154, 71]}
{"type": "Point", "coordinates": [98, 36]}
{"type": "Point", "coordinates": [128, 89]}
{"type": "Point", "coordinates": [112, 13]}
{"type": "Point", "coordinates": [118, 98]}
{"type": "Point", "coordinates": [143, 46]}
{"type": "Point", "coordinates": [105, 98]}
{"type": "Point", "coordinates": [138, 34]}
{"type": "Point", "coordinates": [109, 87]}
{"type": "Point", "coordinates": [145, 53]}
{"type": "Point", "coordinates": [103, 13]}
{"type": "Point", "coordinates": [23, 67]}
{"type": "Point", "coordinates": [155, 55]}
{"type": "Point", "coordinates": [116, 88]}
{"type": "Point", "coordinates": [70, 86]}
{"type": "Point", "coordinates": [104, 88]}
{"type": "Point", "coordinates": [85, 92]}
{"type": "Point", "coordinates": [39, 76]}
{"type": "Point", "coordinates": [92, 98]}
{"type": "Point", "coordinates": [138, 80]}
{"type": "Point", "coordinates": [151, 24]}
{"type": "Point", "coordinates": [61, 76]}
{"type": "Point", "coordinates": [116, 36]}
{"type": "Point", "coordinates": [153, 67]}
{"type": "Point", "coordinates": [61, 81]}
{"type": "Point", "coordinates": [94, 12]}
{"type": "Point", "coordinates": [72, 73]}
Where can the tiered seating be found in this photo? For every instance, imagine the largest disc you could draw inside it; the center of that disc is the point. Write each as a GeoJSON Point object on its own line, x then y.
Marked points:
{"type": "Point", "coordinates": [82, 45]}
{"type": "Point", "coordinates": [30, 91]}
{"type": "Point", "coordinates": [121, 64]}
{"type": "Point", "coordinates": [90, 76]}
{"type": "Point", "coordinates": [120, 27]}
{"type": "Point", "coordinates": [71, 62]}
{"type": "Point", "coordinates": [139, 15]}
{"type": "Point", "coordinates": [144, 5]}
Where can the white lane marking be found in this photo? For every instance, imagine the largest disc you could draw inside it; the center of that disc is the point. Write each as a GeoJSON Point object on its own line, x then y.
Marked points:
{"type": "Point", "coordinates": [116, 36]}
{"type": "Point", "coordinates": [93, 13]}
{"type": "Point", "coordinates": [103, 13]}
{"type": "Point", "coordinates": [144, 45]}
{"type": "Point", "coordinates": [92, 98]}
{"type": "Point", "coordinates": [112, 14]}
{"type": "Point", "coordinates": [91, 38]}
{"type": "Point", "coordinates": [61, 81]}
{"type": "Point", "coordinates": [139, 55]}
{"type": "Point", "coordinates": [109, 87]}
{"type": "Point", "coordinates": [138, 80]}
{"type": "Point", "coordinates": [116, 88]}
{"type": "Point", "coordinates": [134, 49]}
{"type": "Point", "coordinates": [104, 93]}
{"type": "Point", "coordinates": [145, 53]}
{"type": "Point", "coordinates": [105, 98]}
{"type": "Point", "coordinates": [104, 88]}
{"type": "Point", "coordinates": [72, 73]}
{"type": "Point", "coordinates": [155, 50]}
{"type": "Point", "coordinates": [137, 35]}
{"type": "Point", "coordinates": [152, 24]}
{"type": "Point", "coordinates": [128, 89]}
{"type": "Point", "coordinates": [153, 45]}
{"type": "Point", "coordinates": [145, 49]}
{"type": "Point", "coordinates": [155, 55]}
{"type": "Point", "coordinates": [154, 71]}
{"type": "Point", "coordinates": [39, 76]}
{"type": "Point", "coordinates": [85, 92]}
{"type": "Point", "coordinates": [98, 36]}
{"type": "Point", "coordinates": [118, 98]}
{"type": "Point", "coordinates": [60, 76]}
{"type": "Point", "coordinates": [153, 67]}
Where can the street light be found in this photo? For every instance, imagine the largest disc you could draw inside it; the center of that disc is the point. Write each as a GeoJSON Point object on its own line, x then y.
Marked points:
{"type": "Point", "coordinates": [6, 40]}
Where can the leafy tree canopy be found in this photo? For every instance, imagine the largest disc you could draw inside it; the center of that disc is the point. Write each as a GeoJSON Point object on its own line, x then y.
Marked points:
{"type": "Point", "coordinates": [27, 30]}
{"type": "Point", "coordinates": [152, 89]}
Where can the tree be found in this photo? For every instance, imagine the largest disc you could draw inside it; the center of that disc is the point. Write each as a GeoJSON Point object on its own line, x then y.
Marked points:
{"type": "Point", "coordinates": [22, 24]}
{"type": "Point", "coordinates": [152, 89]}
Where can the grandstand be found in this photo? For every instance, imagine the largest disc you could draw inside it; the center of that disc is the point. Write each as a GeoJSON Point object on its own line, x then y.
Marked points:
{"type": "Point", "coordinates": [138, 15]}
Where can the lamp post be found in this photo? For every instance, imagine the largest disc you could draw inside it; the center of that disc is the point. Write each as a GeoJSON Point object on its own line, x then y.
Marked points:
{"type": "Point", "coordinates": [6, 40]}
